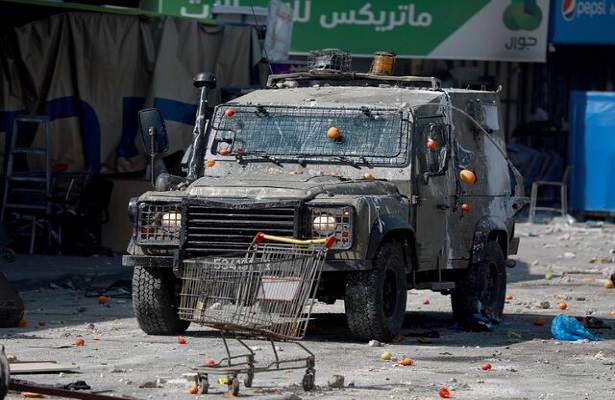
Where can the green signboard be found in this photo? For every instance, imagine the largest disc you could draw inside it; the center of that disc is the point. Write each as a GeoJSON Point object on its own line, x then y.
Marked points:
{"type": "Point", "coordinates": [506, 30]}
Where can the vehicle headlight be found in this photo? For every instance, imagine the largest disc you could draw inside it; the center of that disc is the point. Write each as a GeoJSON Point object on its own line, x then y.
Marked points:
{"type": "Point", "coordinates": [159, 224]}
{"type": "Point", "coordinates": [171, 220]}
{"type": "Point", "coordinates": [324, 224]}
{"type": "Point", "coordinates": [333, 221]}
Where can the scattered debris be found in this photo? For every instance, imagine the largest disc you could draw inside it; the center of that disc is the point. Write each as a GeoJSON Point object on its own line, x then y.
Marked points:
{"type": "Point", "coordinates": [38, 390]}
{"type": "Point", "coordinates": [32, 367]}
{"type": "Point", "coordinates": [595, 323]}
{"type": "Point", "coordinates": [475, 323]}
{"type": "Point", "coordinates": [405, 361]}
{"type": "Point", "coordinates": [425, 334]}
{"type": "Point", "coordinates": [336, 381]}
{"type": "Point", "coordinates": [565, 327]}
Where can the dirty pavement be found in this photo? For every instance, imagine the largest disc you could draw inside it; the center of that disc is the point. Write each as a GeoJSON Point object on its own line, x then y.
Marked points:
{"type": "Point", "coordinates": [79, 332]}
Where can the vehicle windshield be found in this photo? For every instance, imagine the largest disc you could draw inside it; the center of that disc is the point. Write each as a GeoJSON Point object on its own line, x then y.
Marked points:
{"type": "Point", "coordinates": [349, 135]}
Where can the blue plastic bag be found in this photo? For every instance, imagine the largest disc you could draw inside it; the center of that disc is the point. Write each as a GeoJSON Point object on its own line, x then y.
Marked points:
{"type": "Point", "coordinates": [564, 327]}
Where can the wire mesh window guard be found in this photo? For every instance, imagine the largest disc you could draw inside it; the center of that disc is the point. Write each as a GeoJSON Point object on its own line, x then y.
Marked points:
{"type": "Point", "coordinates": [373, 136]}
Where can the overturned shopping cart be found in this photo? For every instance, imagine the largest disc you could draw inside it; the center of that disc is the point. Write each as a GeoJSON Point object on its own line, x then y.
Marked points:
{"type": "Point", "coordinates": [263, 293]}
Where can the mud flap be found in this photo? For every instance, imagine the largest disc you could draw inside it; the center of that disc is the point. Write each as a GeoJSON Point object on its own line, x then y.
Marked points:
{"type": "Point", "coordinates": [11, 305]}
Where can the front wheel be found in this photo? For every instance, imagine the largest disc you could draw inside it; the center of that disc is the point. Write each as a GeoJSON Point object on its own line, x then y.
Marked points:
{"type": "Point", "coordinates": [482, 290]}
{"type": "Point", "coordinates": [375, 300]}
{"type": "Point", "coordinates": [155, 299]}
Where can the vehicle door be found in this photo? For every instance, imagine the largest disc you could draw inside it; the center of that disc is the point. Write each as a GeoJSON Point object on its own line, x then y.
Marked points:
{"type": "Point", "coordinates": [433, 190]}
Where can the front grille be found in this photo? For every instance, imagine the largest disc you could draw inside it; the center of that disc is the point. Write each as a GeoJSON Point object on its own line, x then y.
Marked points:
{"type": "Point", "coordinates": [217, 230]}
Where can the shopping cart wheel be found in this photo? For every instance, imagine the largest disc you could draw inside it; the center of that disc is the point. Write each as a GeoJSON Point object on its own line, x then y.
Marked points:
{"type": "Point", "coordinates": [248, 379]}
{"type": "Point", "coordinates": [233, 386]}
{"type": "Point", "coordinates": [203, 383]}
{"type": "Point", "coordinates": [308, 380]}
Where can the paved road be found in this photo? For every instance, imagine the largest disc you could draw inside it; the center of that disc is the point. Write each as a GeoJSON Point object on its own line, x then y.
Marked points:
{"type": "Point", "coordinates": [527, 362]}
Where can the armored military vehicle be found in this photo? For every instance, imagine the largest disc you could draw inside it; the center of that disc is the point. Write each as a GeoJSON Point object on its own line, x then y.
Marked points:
{"type": "Point", "coordinates": [412, 180]}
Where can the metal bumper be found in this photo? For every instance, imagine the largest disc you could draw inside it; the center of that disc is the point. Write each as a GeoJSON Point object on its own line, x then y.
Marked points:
{"type": "Point", "coordinates": [147, 261]}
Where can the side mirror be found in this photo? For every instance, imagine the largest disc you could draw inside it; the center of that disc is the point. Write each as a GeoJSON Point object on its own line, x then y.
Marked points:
{"type": "Point", "coordinates": [153, 132]}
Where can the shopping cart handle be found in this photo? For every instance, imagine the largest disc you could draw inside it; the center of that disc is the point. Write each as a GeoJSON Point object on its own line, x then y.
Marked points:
{"type": "Point", "coordinates": [260, 236]}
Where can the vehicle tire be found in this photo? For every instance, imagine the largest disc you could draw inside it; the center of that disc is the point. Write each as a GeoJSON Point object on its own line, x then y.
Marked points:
{"type": "Point", "coordinates": [482, 290]}
{"type": "Point", "coordinates": [12, 321]}
{"type": "Point", "coordinates": [155, 299]}
{"type": "Point", "coordinates": [375, 301]}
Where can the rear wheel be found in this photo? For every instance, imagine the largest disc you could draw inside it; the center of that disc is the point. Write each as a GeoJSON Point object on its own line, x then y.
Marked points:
{"type": "Point", "coordinates": [155, 299]}
{"type": "Point", "coordinates": [482, 290]}
{"type": "Point", "coordinates": [375, 301]}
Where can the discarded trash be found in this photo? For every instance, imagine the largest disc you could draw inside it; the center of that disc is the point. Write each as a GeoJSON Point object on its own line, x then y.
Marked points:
{"type": "Point", "coordinates": [565, 220]}
{"type": "Point", "coordinates": [426, 334]}
{"type": "Point", "coordinates": [594, 224]}
{"type": "Point", "coordinates": [539, 321]}
{"type": "Point", "coordinates": [77, 385]}
{"type": "Point", "coordinates": [336, 381]}
{"type": "Point", "coordinates": [595, 323]}
{"type": "Point", "coordinates": [475, 323]}
{"type": "Point", "coordinates": [405, 361]}
{"type": "Point", "coordinates": [31, 395]}
{"type": "Point", "coordinates": [514, 335]}
{"type": "Point", "coordinates": [564, 327]}
{"type": "Point", "coordinates": [444, 393]}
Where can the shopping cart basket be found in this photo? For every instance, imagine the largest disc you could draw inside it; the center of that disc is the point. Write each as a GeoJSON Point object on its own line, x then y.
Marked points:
{"type": "Point", "coordinates": [263, 293]}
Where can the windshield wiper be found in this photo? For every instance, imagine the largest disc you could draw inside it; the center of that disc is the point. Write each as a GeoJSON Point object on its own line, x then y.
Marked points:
{"type": "Point", "coordinates": [347, 161]}
{"type": "Point", "coordinates": [265, 157]}
{"type": "Point", "coordinates": [364, 161]}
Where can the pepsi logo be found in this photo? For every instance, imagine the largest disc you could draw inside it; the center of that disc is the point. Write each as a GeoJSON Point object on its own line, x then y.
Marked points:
{"type": "Point", "coordinates": [568, 9]}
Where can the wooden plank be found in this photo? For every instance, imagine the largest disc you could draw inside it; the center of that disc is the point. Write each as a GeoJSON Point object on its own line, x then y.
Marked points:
{"type": "Point", "coordinates": [32, 367]}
